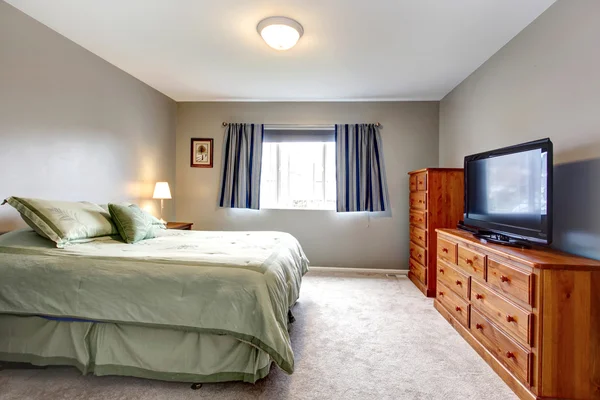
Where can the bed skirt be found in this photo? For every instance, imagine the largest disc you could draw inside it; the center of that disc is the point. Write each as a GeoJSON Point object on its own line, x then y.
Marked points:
{"type": "Point", "coordinates": [130, 350]}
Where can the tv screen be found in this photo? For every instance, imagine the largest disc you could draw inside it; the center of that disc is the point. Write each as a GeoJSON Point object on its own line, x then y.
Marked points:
{"type": "Point", "coordinates": [508, 191]}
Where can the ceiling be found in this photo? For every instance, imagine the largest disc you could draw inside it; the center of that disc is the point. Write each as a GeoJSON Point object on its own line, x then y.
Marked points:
{"type": "Point", "coordinates": [209, 50]}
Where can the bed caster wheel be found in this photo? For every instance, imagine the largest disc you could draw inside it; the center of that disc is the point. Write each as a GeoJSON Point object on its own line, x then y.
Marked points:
{"type": "Point", "coordinates": [196, 386]}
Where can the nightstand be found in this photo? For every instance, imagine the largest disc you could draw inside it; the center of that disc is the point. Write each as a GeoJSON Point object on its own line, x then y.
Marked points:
{"type": "Point", "coordinates": [182, 226]}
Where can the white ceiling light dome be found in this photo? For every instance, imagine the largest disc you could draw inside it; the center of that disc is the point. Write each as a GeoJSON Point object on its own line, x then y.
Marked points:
{"type": "Point", "coordinates": [281, 33]}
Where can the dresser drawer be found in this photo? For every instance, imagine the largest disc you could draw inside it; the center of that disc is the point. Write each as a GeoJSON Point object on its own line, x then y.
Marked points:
{"type": "Point", "coordinates": [509, 316]}
{"type": "Point", "coordinates": [458, 307]}
{"type": "Point", "coordinates": [454, 279]}
{"type": "Point", "coordinates": [514, 356]}
{"type": "Point", "coordinates": [418, 253]}
{"type": "Point", "coordinates": [412, 182]}
{"type": "Point", "coordinates": [418, 218]}
{"type": "Point", "coordinates": [422, 181]}
{"type": "Point", "coordinates": [418, 200]}
{"type": "Point", "coordinates": [511, 281]}
{"type": "Point", "coordinates": [446, 250]}
{"type": "Point", "coordinates": [419, 271]}
{"type": "Point", "coordinates": [419, 236]}
{"type": "Point", "coordinates": [472, 262]}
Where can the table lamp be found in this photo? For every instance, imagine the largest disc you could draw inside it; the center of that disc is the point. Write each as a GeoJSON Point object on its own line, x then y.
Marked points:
{"type": "Point", "coordinates": [162, 192]}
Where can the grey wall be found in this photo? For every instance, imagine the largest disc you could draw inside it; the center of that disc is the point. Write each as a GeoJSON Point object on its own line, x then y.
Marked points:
{"type": "Point", "coordinates": [74, 127]}
{"type": "Point", "coordinates": [410, 139]}
{"type": "Point", "coordinates": [544, 83]}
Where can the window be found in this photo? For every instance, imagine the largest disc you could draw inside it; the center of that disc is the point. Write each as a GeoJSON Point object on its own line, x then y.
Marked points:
{"type": "Point", "coordinates": [298, 169]}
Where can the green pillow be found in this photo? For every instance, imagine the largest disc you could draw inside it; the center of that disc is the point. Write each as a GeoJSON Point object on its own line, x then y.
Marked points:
{"type": "Point", "coordinates": [64, 222]}
{"type": "Point", "coordinates": [133, 223]}
{"type": "Point", "coordinates": [155, 221]}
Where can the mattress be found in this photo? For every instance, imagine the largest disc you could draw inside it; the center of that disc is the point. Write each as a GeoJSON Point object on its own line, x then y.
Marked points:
{"type": "Point", "coordinates": [240, 284]}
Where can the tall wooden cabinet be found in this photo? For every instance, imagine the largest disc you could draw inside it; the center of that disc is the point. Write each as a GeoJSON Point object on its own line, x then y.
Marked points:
{"type": "Point", "coordinates": [436, 201]}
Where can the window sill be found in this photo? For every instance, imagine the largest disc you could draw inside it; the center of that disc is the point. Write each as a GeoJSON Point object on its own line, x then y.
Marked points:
{"type": "Point", "coordinates": [297, 209]}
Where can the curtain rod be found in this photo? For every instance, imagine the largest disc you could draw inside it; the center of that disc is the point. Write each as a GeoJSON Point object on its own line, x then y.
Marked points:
{"type": "Point", "coordinates": [303, 125]}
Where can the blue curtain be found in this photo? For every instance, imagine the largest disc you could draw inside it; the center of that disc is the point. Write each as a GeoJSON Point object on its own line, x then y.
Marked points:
{"type": "Point", "coordinates": [240, 175]}
{"type": "Point", "coordinates": [360, 170]}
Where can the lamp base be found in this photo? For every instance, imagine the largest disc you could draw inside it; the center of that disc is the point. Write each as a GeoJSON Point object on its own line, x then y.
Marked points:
{"type": "Point", "coordinates": [162, 206]}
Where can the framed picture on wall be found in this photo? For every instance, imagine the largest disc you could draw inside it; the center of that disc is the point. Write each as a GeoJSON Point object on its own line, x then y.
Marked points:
{"type": "Point", "coordinates": [202, 153]}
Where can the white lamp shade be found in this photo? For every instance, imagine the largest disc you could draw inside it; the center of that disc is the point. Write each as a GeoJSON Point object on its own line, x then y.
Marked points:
{"type": "Point", "coordinates": [280, 33]}
{"type": "Point", "coordinates": [162, 191]}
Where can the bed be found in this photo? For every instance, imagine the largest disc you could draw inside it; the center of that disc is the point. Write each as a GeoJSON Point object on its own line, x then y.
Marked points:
{"type": "Point", "coordinates": [187, 306]}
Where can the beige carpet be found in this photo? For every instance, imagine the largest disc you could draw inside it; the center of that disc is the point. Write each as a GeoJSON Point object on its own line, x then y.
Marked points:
{"type": "Point", "coordinates": [355, 337]}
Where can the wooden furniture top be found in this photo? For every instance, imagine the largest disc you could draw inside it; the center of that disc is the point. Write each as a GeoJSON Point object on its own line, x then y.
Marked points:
{"type": "Point", "coordinates": [434, 169]}
{"type": "Point", "coordinates": [536, 257]}
{"type": "Point", "coordinates": [180, 225]}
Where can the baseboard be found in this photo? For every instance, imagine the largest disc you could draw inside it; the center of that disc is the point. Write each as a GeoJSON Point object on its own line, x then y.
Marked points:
{"type": "Point", "coordinates": [400, 272]}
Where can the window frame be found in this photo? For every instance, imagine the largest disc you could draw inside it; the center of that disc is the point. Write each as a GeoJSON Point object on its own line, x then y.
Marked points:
{"type": "Point", "coordinates": [324, 134]}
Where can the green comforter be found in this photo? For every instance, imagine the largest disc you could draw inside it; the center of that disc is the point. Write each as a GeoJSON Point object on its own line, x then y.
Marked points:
{"type": "Point", "coordinates": [240, 284]}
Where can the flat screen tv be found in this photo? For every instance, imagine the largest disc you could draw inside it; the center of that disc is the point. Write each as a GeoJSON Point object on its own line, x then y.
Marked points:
{"type": "Point", "coordinates": [508, 193]}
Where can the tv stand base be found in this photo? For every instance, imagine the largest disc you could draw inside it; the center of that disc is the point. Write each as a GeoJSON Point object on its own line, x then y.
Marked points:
{"type": "Point", "coordinates": [489, 237]}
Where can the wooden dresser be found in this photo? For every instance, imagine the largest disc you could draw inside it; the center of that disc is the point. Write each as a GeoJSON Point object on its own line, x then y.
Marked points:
{"type": "Point", "coordinates": [436, 201]}
{"type": "Point", "coordinates": [532, 315]}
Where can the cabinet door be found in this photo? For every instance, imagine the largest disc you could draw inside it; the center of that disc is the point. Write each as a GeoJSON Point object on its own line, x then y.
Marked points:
{"type": "Point", "coordinates": [510, 281]}
{"type": "Point", "coordinates": [418, 200]}
{"type": "Point", "coordinates": [472, 262]}
{"type": "Point", "coordinates": [418, 253]}
{"type": "Point", "coordinates": [514, 356]}
{"type": "Point", "coordinates": [418, 236]}
{"type": "Point", "coordinates": [418, 270]}
{"type": "Point", "coordinates": [422, 181]}
{"type": "Point", "coordinates": [418, 218]}
{"type": "Point", "coordinates": [446, 250]}
{"type": "Point", "coordinates": [453, 278]}
{"type": "Point", "coordinates": [412, 181]}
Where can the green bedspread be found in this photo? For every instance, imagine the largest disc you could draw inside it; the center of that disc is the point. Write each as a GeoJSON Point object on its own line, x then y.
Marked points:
{"type": "Point", "coordinates": [240, 284]}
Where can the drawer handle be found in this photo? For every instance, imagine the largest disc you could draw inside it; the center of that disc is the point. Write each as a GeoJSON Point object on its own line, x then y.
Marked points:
{"type": "Point", "coordinates": [469, 261]}
{"type": "Point", "coordinates": [441, 293]}
{"type": "Point", "coordinates": [478, 296]}
{"type": "Point", "coordinates": [510, 354]}
{"type": "Point", "coordinates": [504, 278]}
{"type": "Point", "coordinates": [458, 308]}
{"type": "Point", "coordinates": [420, 237]}
{"type": "Point", "coordinates": [420, 256]}
{"type": "Point", "coordinates": [441, 270]}
{"type": "Point", "coordinates": [510, 319]}
{"type": "Point", "coordinates": [479, 326]}
{"type": "Point", "coordinates": [458, 283]}
{"type": "Point", "coordinates": [444, 250]}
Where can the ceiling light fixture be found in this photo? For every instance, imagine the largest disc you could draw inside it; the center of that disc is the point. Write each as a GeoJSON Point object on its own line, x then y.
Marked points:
{"type": "Point", "coordinates": [281, 33]}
